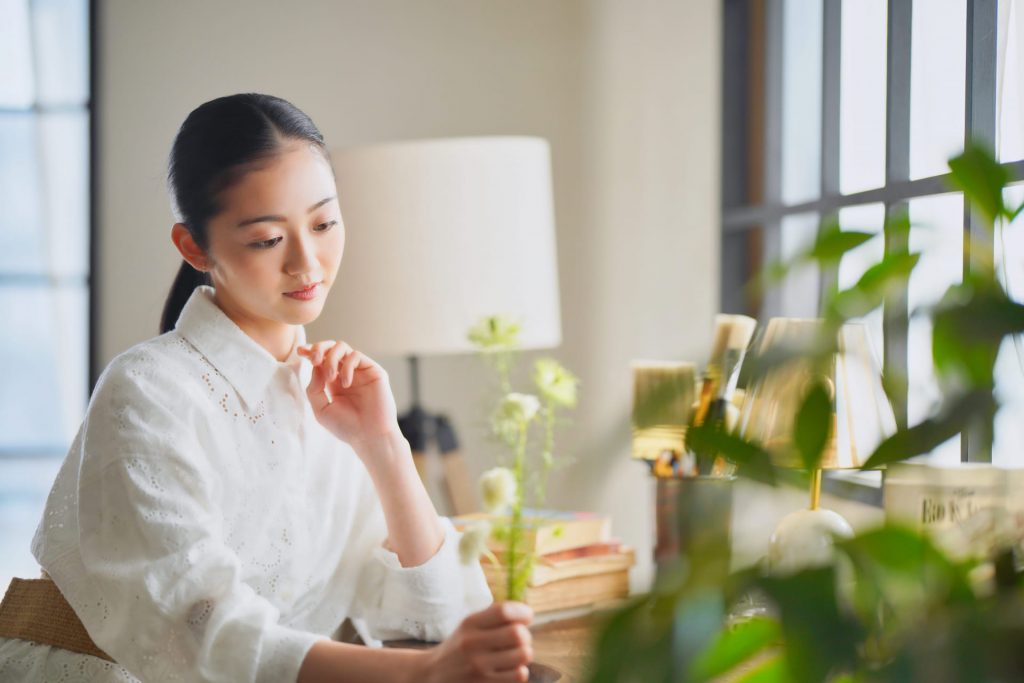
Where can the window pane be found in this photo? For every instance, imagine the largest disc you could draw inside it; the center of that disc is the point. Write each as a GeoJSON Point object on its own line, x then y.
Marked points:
{"type": "Point", "coordinates": [797, 295]}
{"type": "Point", "coordinates": [21, 221]}
{"type": "Point", "coordinates": [64, 148]}
{"type": "Point", "coordinates": [1008, 449]}
{"type": "Point", "coordinates": [937, 231]}
{"type": "Point", "coordinates": [801, 101]}
{"type": "Point", "coordinates": [866, 218]}
{"type": "Point", "coordinates": [862, 96]}
{"type": "Point", "coordinates": [45, 385]}
{"type": "Point", "coordinates": [1010, 72]}
{"type": "Point", "coordinates": [24, 485]}
{"type": "Point", "coordinates": [937, 84]}
{"type": "Point", "coordinates": [15, 55]}
{"type": "Point", "coordinates": [61, 32]}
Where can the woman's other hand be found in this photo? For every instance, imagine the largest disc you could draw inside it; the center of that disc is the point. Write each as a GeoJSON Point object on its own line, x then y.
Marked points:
{"type": "Point", "coordinates": [493, 645]}
{"type": "Point", "coordinates": [350, 393]}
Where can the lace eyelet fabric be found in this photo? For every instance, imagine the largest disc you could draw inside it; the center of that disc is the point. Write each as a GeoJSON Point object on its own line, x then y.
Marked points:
{"type": "Point", "coordinates": [205, 527]}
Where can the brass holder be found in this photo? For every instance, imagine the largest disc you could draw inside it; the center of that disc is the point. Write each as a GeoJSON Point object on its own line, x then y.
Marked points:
{"type": "Point", "coordinates": [693, 516]}
{"type": "Point", "coordinates": [815, 488]}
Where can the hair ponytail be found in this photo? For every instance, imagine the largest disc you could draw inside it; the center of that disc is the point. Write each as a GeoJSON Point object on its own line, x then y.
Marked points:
{"type": "Point", "coordinates": [210, 153]}
{"type": "Point", "coordinates": [185, 282]}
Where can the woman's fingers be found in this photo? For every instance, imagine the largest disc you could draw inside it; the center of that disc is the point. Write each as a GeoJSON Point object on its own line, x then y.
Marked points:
{"type": "Point", "coordinates": [349, 364]}
{"type": "Point", "coordinates": [504, 660]}
{"type": "Point", "coordinates": [507, 637]}
{"type": "Point", "coordinates": [500, 613]}
{"type": "Point", "coordinates": [333, 358]}
{"type": "Point", "coordinates": [315, 391]}
{"type": "Point", "coordinates": [520, 674]}
{"type": "Point", "coordinates": [315, 352]}
{"type": "Point", "coordinates": [339, 361]}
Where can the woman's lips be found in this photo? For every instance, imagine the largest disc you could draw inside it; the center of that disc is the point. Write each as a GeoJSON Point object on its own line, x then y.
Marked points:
{"type": "Point", "coordinates": [305, 294]}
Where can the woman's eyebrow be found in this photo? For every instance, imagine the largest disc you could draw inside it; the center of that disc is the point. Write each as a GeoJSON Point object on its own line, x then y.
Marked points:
{"type": "Point", "coordinates": [270, 218]}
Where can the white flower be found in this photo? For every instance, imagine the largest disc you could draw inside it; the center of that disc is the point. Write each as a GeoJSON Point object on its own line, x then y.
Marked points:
{"type": "Point", "coordinates": [513, 415]}
{"type": "Point", "coordinates": [520, 407]}
{"type": "Point", "coordinates": [474, 542]}
{"type": "Point", "coordinates": [495, 333]}
{"type": "Point", "coordinates": [555, 383]}
{"type": "Point", "coordinates": [498, 488]}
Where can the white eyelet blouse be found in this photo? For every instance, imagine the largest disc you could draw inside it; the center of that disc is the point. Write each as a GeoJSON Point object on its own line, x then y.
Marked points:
{"type": "Point", "coordinates": [205, 527]}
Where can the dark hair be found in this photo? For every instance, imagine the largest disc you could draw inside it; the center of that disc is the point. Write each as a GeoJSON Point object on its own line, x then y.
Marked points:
{"type": "Point", "coordinates": [211, 151]}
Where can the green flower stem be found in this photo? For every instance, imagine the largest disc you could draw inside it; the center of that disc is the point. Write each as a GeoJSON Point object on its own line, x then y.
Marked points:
{"type": "Point", "coordinates": [548, 454]}
{"type": "Point", "coordinates": [515, 588]}
{"type": "Point", "coordinates": [503, 364]}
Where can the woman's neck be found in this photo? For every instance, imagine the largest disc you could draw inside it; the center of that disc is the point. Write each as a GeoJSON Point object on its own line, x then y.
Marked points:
{"type": "Point", "coordinates": [277, 337]}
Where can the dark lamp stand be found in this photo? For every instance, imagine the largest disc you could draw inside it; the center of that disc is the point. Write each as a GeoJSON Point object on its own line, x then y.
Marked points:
{"type": "Point", "coordinates": [427, 431]}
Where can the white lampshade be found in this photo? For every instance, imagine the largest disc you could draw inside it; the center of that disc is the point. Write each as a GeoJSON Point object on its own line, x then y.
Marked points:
{"type": "Point", "coordinates": [441, 233]}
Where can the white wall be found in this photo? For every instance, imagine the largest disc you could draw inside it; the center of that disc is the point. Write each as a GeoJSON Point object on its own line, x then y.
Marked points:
{"type": "Point", "coordinates": [627, 92]}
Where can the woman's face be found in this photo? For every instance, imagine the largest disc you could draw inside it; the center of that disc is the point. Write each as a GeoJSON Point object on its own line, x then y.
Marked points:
{"type": "Point", "coordinates": [275, 247]}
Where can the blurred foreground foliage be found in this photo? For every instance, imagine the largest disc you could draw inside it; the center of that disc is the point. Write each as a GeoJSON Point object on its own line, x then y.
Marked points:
{"type": "Point", "coordinates": [893, 606]}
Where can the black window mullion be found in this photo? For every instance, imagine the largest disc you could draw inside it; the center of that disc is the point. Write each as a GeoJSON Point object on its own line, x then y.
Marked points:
{"type": "Point", "coordinates": [773, 65]}
{"type": "Point", "coordinates": [831, 55]}
{"type": "Point", "coordinates": [739, 218]}
{"type": "Point", "coordinates": [899, 35]}
{"type": "Point", "coordinates": [93, 363]}
{"type": "Point", "coordinates": [736, 55]}
{"type": "Point", "coordinates": [980, 127]}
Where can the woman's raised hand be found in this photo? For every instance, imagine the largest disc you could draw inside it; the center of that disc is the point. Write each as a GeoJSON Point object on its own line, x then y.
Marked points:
{"type": "Point", "coordinates": [349, 392]}
{"type": "Point", "coordinates": [492, 646]}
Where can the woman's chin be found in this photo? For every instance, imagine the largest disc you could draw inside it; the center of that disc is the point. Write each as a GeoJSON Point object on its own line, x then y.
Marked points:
{"type": "Point", "coordinates": [303, 313]}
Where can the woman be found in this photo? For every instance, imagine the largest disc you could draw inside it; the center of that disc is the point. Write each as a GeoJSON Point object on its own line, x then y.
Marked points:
{"type": "Point", "coordinates": [235, 493]}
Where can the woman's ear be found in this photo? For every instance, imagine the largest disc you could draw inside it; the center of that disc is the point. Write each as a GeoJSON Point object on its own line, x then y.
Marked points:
{"type": "Point", "coordinates": [190, 251]}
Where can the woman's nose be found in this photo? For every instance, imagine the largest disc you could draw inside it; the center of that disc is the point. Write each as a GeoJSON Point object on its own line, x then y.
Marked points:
{"type": "Point", "coordinates": [301, 257]}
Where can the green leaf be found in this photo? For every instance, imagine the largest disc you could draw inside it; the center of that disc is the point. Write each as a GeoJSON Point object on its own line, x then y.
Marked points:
{"type": "Point", "coordinates": [828, 249]}
{"type": "Point", "coordinates": [819, 638]}
{"type": "Point", "coordinates": [812, 427]}
{"type": "Point", "coordinates": [833, 243]}
{"type": "Point", "coordinates": [621, 641]}
{"type": "Point", "coordinates": [735, 646]}
{"type": "Point", "coordinates": [982, 180]}
{"type": "Point", "coordinates": [874, 286]}
{"type": "Point", "coordinates": [908, 560]}
{"type": "Point", "coordinates": [697, 619]}
{"type": "Point", "coordinates": [969, 325]}
{"type": "Point", "coordinates": [772, 670]}
{"type": "Point", "coordinates": [955, 415]}
{"type": "Point", "coordinates": [896, 548]}
{"type": "Point", "coordinates": [752, 460]}
{"type": "Point", "coordinates": [1016, 212]}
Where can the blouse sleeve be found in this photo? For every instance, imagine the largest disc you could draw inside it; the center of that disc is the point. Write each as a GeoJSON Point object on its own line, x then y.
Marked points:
{"type": "Point", "coordinates": [425, 602]}
{"type": "Point", "coordinates": [167, 599]}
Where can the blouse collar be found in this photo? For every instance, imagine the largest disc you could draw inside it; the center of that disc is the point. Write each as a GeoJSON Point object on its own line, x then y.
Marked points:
{"type": "Point", "coordinates": [238, 357]}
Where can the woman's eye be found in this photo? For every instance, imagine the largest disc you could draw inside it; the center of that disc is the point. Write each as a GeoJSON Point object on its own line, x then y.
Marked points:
{"type": "Point", "coordinates": [324, 227]}
{"type": "Point", "coordinates": [265, 244]}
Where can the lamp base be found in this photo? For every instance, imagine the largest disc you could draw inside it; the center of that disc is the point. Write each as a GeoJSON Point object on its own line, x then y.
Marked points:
{"type": "Point", "coordinates": [804, 540]}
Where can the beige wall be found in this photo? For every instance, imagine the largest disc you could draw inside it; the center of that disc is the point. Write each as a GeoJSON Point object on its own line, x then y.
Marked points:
{"type": "Point", "coordinates": [627, 92]}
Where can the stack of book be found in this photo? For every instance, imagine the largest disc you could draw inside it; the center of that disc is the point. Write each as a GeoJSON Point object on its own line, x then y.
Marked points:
{"type": "Point", "coordinates": [577, 563]}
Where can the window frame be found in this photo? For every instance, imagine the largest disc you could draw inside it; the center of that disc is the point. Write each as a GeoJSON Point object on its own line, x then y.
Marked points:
{"type": "Point", "coordinates": [751, 197]}
{"type": "Point", "coordinates": [8, 279]}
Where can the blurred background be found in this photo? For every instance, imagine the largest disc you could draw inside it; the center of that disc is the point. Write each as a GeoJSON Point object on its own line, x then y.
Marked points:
{"type": "Point", "coordinates": [692, 141]}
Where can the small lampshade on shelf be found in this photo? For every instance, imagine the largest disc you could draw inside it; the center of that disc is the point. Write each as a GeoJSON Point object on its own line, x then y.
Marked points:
{"type": "Point", "coordinates": [861, 418]}
{"type": "Point", "coordinates": [439, 234]}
